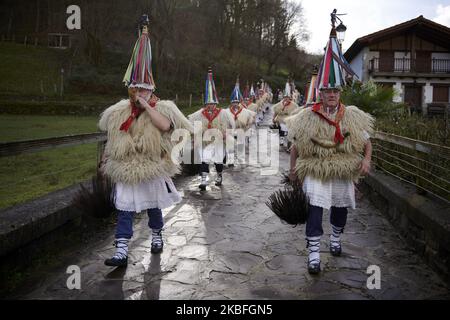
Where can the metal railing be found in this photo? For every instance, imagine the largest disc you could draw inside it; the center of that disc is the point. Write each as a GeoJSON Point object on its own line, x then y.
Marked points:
{"type": "Point", "coordinates": [402, 65]}
{"type": "Point", "coordinates": [440, 65]}
{"type": "Point", "coordinates": [421, 164]}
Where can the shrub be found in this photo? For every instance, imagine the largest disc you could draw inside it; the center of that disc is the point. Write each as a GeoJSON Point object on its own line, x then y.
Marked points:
{"type": "Point", "coordinates": [372, 98]}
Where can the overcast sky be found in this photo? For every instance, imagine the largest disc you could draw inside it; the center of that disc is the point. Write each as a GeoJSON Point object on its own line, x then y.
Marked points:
{"type": "Point", "coordinates": [365, 17]}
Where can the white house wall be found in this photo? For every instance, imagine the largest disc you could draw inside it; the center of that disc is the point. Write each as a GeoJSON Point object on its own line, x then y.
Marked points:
{"type": "Point", "coordinates": [399, 92]}
{"type": "Point", "coordinates": [368, 55]}
{"type": "Point", "coordinates": [425, 83]}
{"type": "Point", "coordinates": [357, 65]}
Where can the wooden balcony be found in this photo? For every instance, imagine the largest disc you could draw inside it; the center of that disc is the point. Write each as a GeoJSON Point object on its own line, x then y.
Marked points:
{"type": "Point", "coordinates": [404, 66]}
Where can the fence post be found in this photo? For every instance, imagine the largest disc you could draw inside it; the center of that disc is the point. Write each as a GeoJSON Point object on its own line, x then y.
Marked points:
{"type": "Point", "coordinates": [446, 119]}
{"type": "Point", "coordinates": [42, 86]}
{"type": "Point", "coordinates": [203, 99]}
{"type": "Point", "coordinates": [25, 41]}
{"type": "Point", "coordinates": [62, 82]}
{"type": "Point", "coordinates": [190, 100]}
{"type": "Point", "coordinates": [176, 97]}
{"type": "Point", "coordinates": [35, 41]}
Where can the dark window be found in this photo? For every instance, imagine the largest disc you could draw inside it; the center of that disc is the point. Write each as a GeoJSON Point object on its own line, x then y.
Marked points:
{"type": "Point", "coordinates": [440, 93]}
{"type": "Point", "coordinates": [413, 97]}
{"type": "Point", "coordinates": [423, 61]}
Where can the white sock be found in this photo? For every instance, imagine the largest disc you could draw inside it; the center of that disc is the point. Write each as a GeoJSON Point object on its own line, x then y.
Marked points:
{"type": "Point", "coordinates": [335, 237]}
{"type": "Point", "coordinates": [121, 248]}
{"type": "Point", "coordinates": [157, 237]}
{"type": "Point", "coordinates": [314, 249]}
{"type": "Point", "coordinates": [204, 180]}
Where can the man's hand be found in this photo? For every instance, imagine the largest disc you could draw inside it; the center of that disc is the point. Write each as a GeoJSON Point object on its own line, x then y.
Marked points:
{"type": "Point", "coordinates": [293, 176]}
{"type": "Point", "coordinates": [153, 99]}
{"type": "Point", "coordinates": [141, 103]}
{"type": "Point", "coordinates": [101, 167]}
{"type": "Point", "coordinates": [364, 167]}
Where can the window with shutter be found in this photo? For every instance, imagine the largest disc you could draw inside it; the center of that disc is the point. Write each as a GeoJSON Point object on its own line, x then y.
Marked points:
{"type": "Point", "coordinates": [440, 93]}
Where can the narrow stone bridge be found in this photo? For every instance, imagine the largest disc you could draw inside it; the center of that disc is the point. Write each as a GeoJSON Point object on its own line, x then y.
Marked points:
{"type": "Point", "coordinates": [226, 244]}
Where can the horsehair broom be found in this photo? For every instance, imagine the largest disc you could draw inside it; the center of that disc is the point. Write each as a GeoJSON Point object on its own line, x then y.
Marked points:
{"type": "Point", "coordinates": [190, 168]}
{"type": "Point", "coordinates": [98, 203]}
{"type": "Point", "coordinates": [289, 204]}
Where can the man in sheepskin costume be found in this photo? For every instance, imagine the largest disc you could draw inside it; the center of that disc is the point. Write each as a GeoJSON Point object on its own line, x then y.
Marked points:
{"type": "Point", "coordinates": [243, 119]}
{"type": "Point", "coordinates": [331, 150]}
{"type": "Point", "coordinates": [249, 100]}
{"type": "Point", "coordinates": [213, 121]}
{"type": "Point", "coordinates": [312, 93]}
{"type": "Point", "coordinates": [261, 100]}
{"type": "Point", "coordinates": [283, 109]}
{"type": "Point", "coordinates": [137, 155]}
{"type": "Point", "coordinates": [252, 106]}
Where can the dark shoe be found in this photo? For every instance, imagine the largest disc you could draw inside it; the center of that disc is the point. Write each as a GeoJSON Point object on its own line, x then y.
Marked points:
{"type": "Point", "coordinates": [116, 262]}
{"type": "Point", "coordinates": [314, 267]}
{"type": "Point", "coordinates": [219, 180]}
{"type": "Point", "coordinates": [202, 187]}
{"type": "Point", "coordinates": [157, 248]}
{"type": "Point", "coordinates": [335, 248]}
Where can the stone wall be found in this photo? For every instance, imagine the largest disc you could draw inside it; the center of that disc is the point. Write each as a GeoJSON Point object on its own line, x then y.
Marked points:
{"type": "Point", "coordinates": [424, 222]}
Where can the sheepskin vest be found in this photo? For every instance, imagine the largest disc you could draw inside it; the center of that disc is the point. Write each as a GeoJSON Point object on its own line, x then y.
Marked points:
{"type": "Point", "coordinates": [281, 112]}
{"type": "Point", "coordinates": [144, 152]}
{"type": "Point", "coordinates": [318, 155]}
{"type": "Point", "coordinates": [253, 107]}
{"type": "Point", "coordinates": [222, 122]}
{"type": "Point", "coordinates": [244, 118]}
{"type": "Point", "coordinates": [261, 101]}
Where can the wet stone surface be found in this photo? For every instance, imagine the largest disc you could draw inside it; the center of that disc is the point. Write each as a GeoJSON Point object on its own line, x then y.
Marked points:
{"type": "Point", "coordinates": [226, 244]}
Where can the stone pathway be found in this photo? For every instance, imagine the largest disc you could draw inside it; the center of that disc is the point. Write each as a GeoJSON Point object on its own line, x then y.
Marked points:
{"type": "Point", "coordinates": [226, 244]}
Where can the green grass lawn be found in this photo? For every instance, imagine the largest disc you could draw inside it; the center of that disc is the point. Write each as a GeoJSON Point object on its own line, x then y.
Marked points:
{"type": "Point", "coordinates": [25, 177]}
{"type": "Point", "coordinates": [27, 127]}
{"type": "Point", "coordinates": [28, 176]}
{"type": "Point", "coordinates": [25, 68]}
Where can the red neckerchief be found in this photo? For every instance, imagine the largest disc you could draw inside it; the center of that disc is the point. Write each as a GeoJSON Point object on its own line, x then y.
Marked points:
{"type": "Point", "coordinates": [286, 103]}
{"type": "Point", "coordinates": [318, 109]}
{"type": "Point", "coordinates": [135, 112]}
{"type": "Point", "coordinates": [212, 116]}
{"type": "Point", "coordinates": [237, 113]}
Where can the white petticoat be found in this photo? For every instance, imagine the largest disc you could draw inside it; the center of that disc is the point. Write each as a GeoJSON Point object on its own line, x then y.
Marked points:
{"type": "Point", "coordinates": [213, 153]}
{"type": "Point", "coordinates": [146, 195]}
{"type": "Point", "coordinates": [334, 193]}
